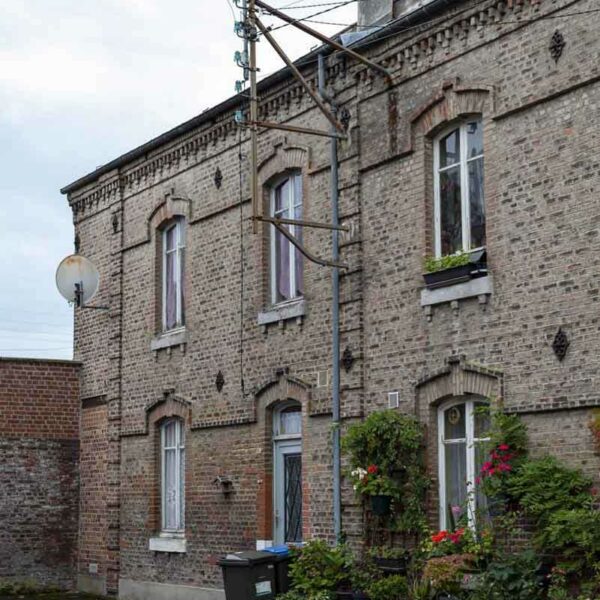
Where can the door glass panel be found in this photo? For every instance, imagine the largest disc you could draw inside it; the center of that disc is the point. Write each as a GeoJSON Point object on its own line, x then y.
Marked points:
{"type": "Point", "coordinates": [290, 421]}
{"type": "Point", "coordinates": [456, 478]}
{"type": "Point", "coordinates": [293, 497]}
{"type": "Point", "coordinates": [451, 211]}
{"type": "Point", "coordinates": [450, 149]}
{"type": "Point", "coordinates": [454, 423]}
{"type": "Point", "coordinates": [476, 203]}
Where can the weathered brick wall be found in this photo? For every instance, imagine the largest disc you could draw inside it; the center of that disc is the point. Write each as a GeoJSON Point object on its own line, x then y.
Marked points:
{"type": "Point", "coordinates": [39, 486]}
{"type": "Point", "coordinates": [541, 145]}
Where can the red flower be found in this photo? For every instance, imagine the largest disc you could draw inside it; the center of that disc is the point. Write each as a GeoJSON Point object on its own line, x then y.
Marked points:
{"type": "Point", "coordinates": [486, 466]}
{"type": "Point", "coordinates": [504, 467]}
{"type": "Point", "coordinates": [477, 480]}
{"type": "Point", "coordinates": [372, 469]}
{"type": "Point", "coordinates": [439, 537]}
{"type": "Point", "coordinates": [491, 471]}
{"type": "Point", "coordinates": [457, 535]}
{"type": "Point", "coordinates": [503, 447]}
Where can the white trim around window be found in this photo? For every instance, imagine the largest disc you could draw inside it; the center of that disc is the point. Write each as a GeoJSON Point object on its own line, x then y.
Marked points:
{"type": "Point", "coordinates": [172, 480]}
{"type": "Point", "coordinates": [464, 445]}
{"type": "Point", "coordinates": [462, 168]}
{"type": "Point", "coordinates": [286, 263]}
{"type": "Point", "coordinates": [173, 261]}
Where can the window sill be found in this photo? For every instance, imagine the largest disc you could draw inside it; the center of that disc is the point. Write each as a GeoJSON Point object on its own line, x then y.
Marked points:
{"type": "Point", "coordinates": [478, 287]}
{"type": "Point", "coordinates": [283, 312]}
{"type": "Point", "coordinates": [169, 339]}
{"type": "Point", "coordinates": [174, 544]}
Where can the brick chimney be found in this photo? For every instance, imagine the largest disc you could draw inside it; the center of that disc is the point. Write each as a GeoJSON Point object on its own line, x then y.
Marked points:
{"type": "Point", "coordinates": [374, 12]}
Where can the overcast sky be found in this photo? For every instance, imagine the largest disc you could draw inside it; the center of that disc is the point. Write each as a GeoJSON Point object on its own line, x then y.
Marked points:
{"type": "Point", "coordinates": [81, 82]}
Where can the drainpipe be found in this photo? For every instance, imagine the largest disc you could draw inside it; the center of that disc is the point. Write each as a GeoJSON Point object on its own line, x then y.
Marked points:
{"type": "Point", "coordinates": [335, 317]}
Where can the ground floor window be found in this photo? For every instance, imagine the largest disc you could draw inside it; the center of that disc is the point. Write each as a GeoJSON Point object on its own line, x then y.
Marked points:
{"type": "Point", "coordinates": [463, 426]}
{"type": "Point", "coordinates": [172, 475]}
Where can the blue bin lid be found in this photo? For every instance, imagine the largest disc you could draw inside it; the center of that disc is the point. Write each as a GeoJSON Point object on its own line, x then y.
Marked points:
{"type": "Point", "coordinates": [282, 549]}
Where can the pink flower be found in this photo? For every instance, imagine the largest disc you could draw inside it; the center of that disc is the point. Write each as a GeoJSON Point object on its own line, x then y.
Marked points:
{"type": "Point", "coordinates": [477, 480]}
{"type": "Point", "coordinates": [486, 466]}
{"type": "Point", "coordinates": [503, 447]}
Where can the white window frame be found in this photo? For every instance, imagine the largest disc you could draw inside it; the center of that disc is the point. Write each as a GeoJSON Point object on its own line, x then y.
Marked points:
{"type": "Point", "coordinates": [292, 204]}
{"type": "Point", "coordinates": [179, 448]}
{"type": "Point", "coordinates": [464, 183]}
{"type": "Point", "coordinates": [469, 441]}
{"type": "Point", "coordinates": [178, 225]}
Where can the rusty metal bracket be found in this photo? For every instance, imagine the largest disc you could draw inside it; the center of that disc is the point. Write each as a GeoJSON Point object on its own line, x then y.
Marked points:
{"type": "Point", "coordinates": [284, 57]}
{"type": "Point", "coordinates": [294, 128]}
{"type": "Point", "coordinates": [305, 252]}
{"type": "Point", "coordinates": [300, 223]}
{"type": "Point", "coordinates": [323, 38]}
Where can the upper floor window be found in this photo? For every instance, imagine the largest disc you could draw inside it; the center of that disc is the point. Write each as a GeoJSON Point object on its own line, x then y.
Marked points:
{"type": "Point", "coordinates": [172, 475]}
{"type": "Point", "coordinates": [287, 277]}
{"type": "Point", "coordinates": [463, 427]}
{"type": "Point", "coordinates": [459, 202]}
{"type": "Point", "coordinates": [173, 274]}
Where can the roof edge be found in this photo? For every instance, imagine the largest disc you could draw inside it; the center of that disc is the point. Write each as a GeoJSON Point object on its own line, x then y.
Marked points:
{"type": "Point", "coordinates": [422, 12]}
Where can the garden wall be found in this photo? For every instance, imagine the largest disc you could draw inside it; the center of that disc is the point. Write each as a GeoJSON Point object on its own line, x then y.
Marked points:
{"type": "Point", "coordinates": [39, 449]}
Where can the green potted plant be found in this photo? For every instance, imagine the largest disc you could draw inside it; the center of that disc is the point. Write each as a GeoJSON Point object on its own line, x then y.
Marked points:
{"type": "Point", "coordinates": [454, 268]}
{"type": "Point", "coordinates": [387, 467]}
{"type": "Point", "coordinates": [378, 486]}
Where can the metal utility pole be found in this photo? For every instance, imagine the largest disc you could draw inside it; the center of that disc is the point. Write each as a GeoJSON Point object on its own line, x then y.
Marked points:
{"type": "Point", "coordinates": [336, 131]}
{"type": "Point", "coordinates": [335, 317]}
{"type": "Point", "coordinates": [251, 34]}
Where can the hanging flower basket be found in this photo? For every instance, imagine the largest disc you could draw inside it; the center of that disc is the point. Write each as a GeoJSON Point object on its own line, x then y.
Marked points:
{"type": "Point", "coordinates": [380, 505]}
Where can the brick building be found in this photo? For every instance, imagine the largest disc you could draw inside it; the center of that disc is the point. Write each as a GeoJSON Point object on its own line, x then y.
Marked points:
{"type": "Point", "coordinates": [39, 485]}
{"type": "Point", "coordinates": [206, 386]}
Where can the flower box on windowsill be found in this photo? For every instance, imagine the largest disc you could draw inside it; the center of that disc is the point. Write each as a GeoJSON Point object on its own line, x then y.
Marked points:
{"type": "Point", "coordinates": [476, 267]}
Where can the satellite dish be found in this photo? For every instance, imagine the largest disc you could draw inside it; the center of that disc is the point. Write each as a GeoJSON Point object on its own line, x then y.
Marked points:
{"type": "Point", "coordinates": [77, 279]}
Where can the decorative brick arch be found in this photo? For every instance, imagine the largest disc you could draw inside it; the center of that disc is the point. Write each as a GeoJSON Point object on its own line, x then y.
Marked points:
{"type": "Point", "coordinates": [283, 157]}
{"type": "Point", "coordinates": [457, 378]}
{"type": "Point", "coordinates": [451, 102]}
{"type": "Point", "coordinates": [168, 208]}
{"type": "Point", "coordinates": [170, 405]}
{"type": "Point", "coordinates": [272, 393]}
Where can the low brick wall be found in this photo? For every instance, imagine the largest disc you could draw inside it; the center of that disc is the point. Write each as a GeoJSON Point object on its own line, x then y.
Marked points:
{"type": "Point", "coordinates": [39, 483]}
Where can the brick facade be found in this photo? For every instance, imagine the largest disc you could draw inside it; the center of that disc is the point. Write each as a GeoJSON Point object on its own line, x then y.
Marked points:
{"type": "Point", "coordinates": [543, 222]}
{"type": "Point", "coordinates": [39, 485]}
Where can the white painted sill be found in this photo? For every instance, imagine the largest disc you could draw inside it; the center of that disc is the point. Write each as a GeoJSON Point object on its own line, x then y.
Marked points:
{"type": "Point", "coordinates": [283, 312]}
{"type": "Point", "coordinates": [169, 339]}
{"type": "Point", "coordinates": [481, 286]}
{"type": "Point", "coordinates": [175, 544]}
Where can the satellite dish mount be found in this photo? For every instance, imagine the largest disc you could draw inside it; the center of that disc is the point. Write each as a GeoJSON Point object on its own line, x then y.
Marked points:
{"type": "Point", "coordinates": [77, 280]}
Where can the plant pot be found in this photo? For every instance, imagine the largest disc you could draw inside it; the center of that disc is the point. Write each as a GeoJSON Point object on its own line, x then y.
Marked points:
{"type": "Point", "coordinates": [397, 566]}
{"type": "Point", "coordinates": [476, 267]}
{"type": "Point", "coordinates": [449, 276]}
{"type": "Point", "coordinates": [380, 505]}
